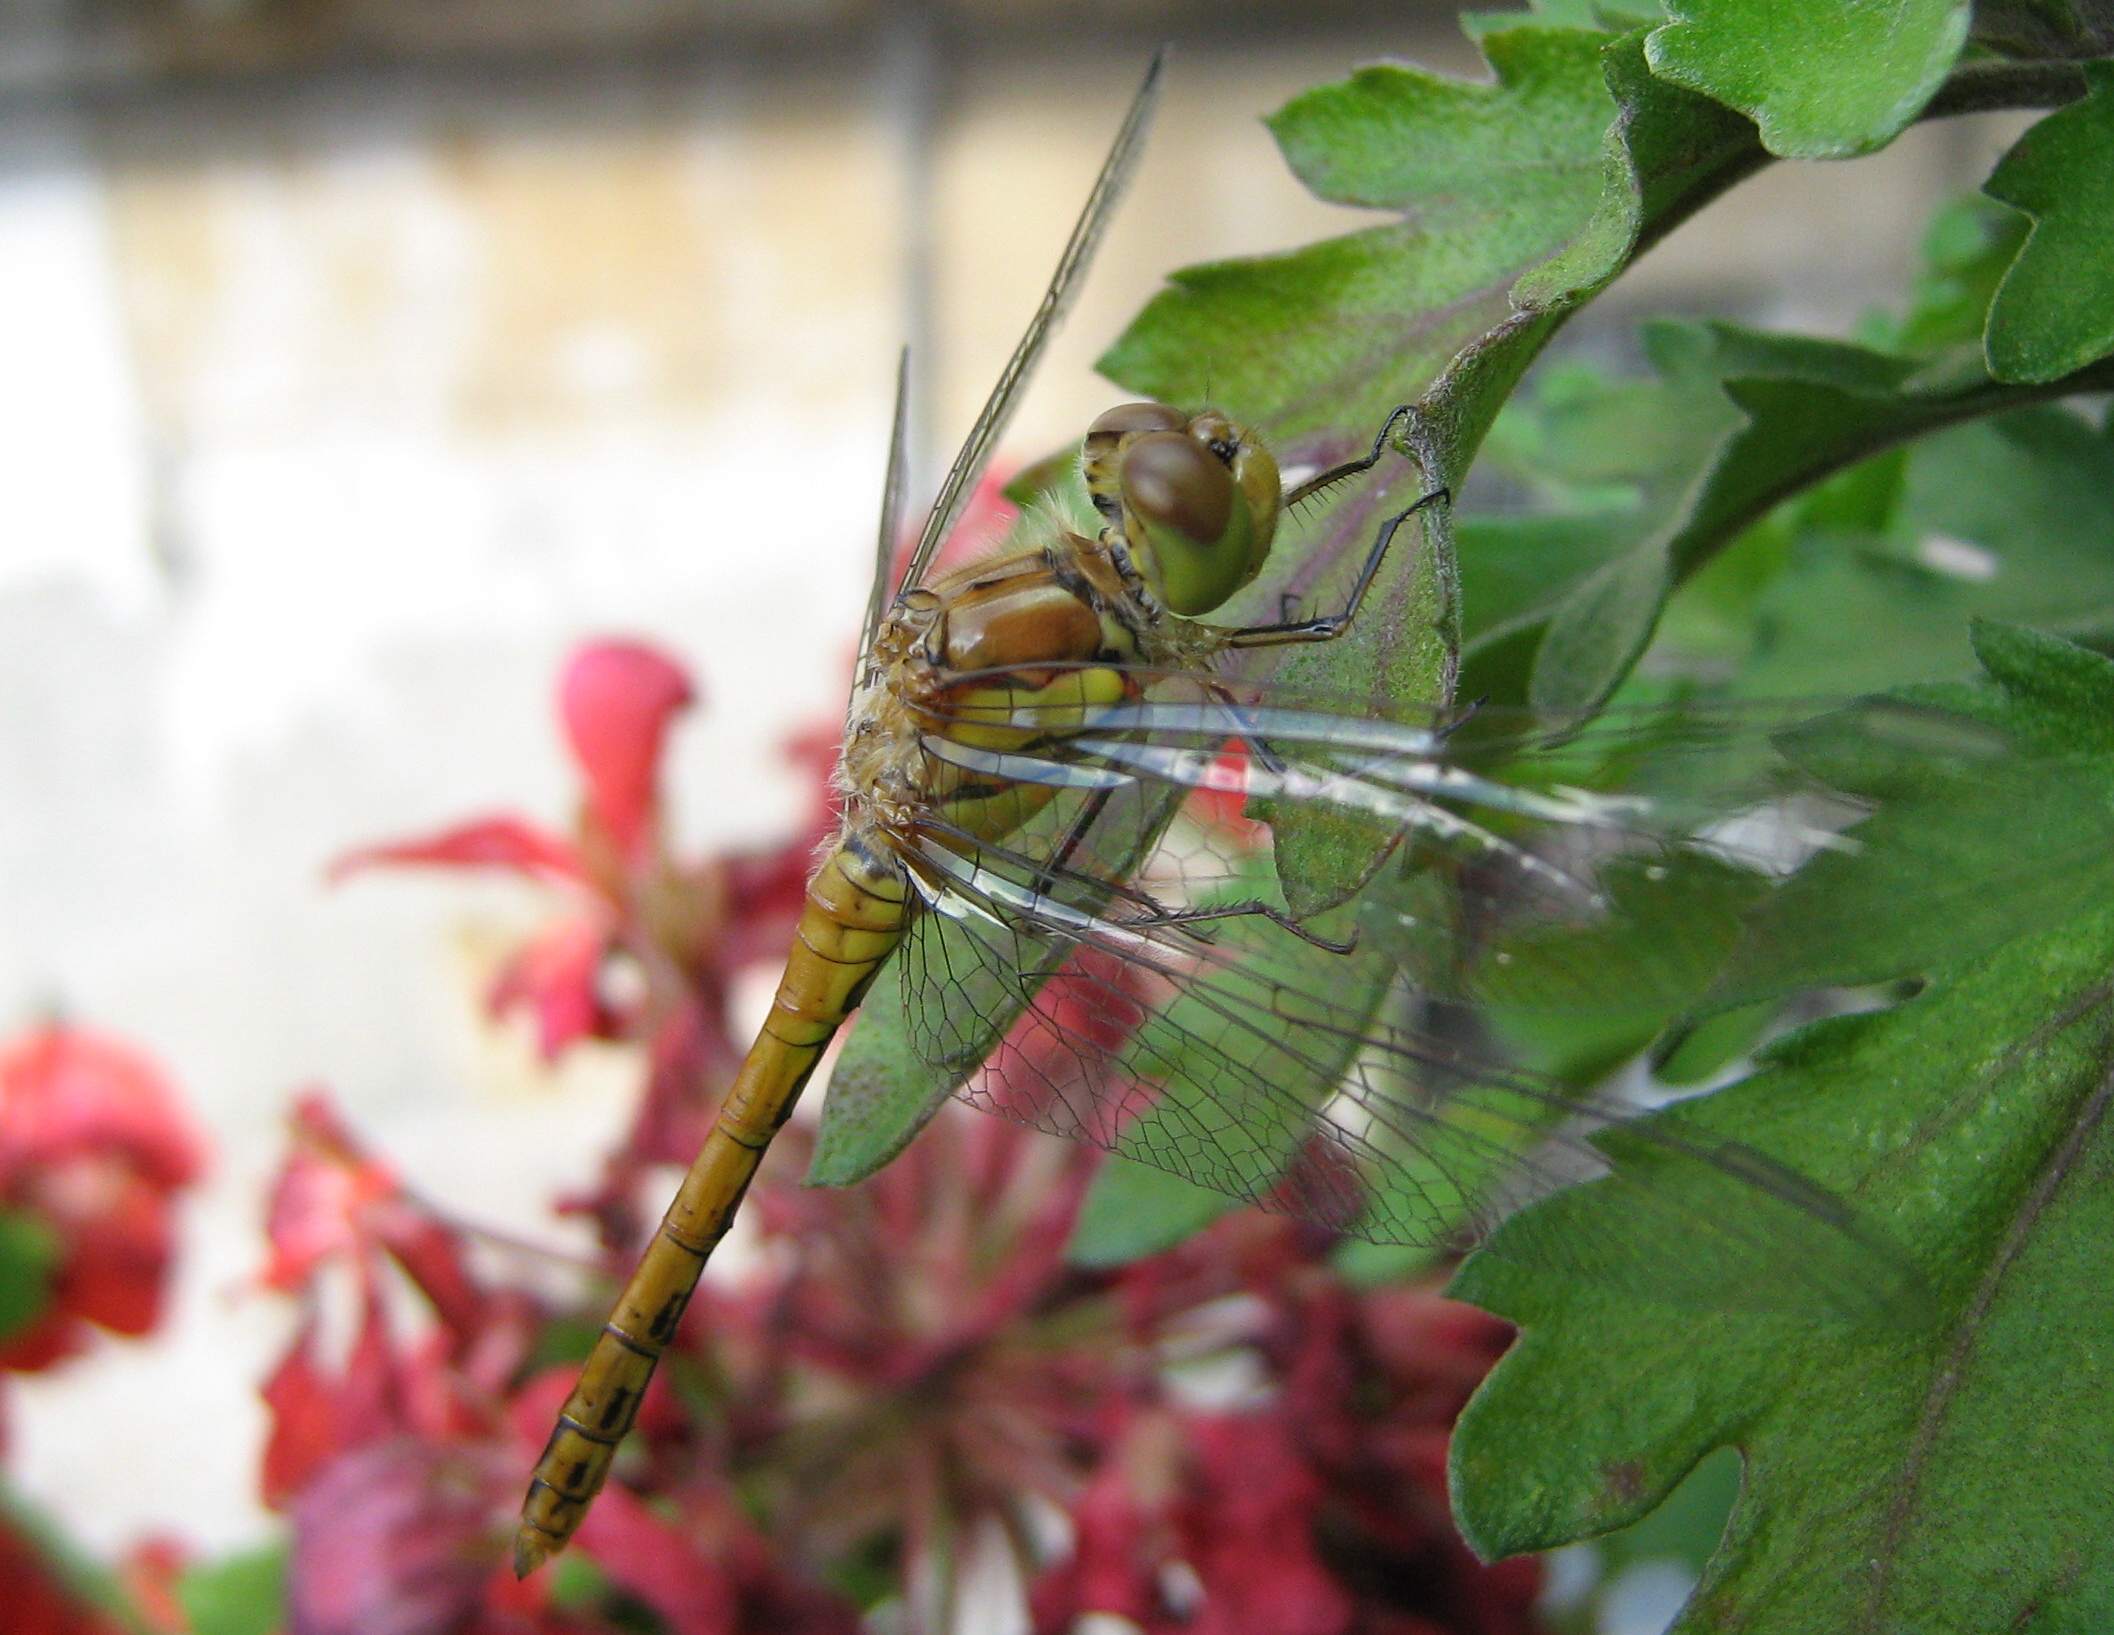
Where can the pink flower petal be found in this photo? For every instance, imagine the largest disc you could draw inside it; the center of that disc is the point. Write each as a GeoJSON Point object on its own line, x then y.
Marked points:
{"type": "Point", "coordinates": [400, 1538]}
{"type": "Point", "coordinates": [615, 701]}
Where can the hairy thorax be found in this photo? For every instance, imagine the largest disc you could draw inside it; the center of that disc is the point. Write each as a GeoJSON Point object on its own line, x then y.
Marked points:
{"type": "Point", "coordinates": [1004, 654]}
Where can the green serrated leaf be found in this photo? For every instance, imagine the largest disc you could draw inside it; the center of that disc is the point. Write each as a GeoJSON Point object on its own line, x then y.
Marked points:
{"type": "Point", "coordinates": [1822, 79]}
{"type": "Point", "coordinates": [28, 1255]}
{"type": "Point", "coordinates": [1970, 1122]}
{"type": "Point", "coordinates": [1667, 152]}
{"type": "Point", "coordinates": [237, 1595]}
{"type": "Point", "coordinates": [1395, 137]}
{"type": "Point", "coordinates": [2054, 311]}
{"type": "Point", "coordinates": [1491, 181]}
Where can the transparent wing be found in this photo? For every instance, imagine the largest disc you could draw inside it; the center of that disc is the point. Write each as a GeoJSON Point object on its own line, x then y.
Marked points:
{"type": "Point", "coordinates": [1127, 974]}
{"type": "Point", "coordinates": [1064, 284]}
{"type": "Point", "coordinates": [1212, 1040]}
{"type": "Point", "coordinates": [1679, 822]}
{"type": "Point", "coordinates": [891, 507]}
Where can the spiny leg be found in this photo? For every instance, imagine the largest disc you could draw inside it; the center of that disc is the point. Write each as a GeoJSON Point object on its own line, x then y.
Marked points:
{"type": "Point", "coordinates": [1331, 625]}
{"type": "Point", "coordinates": [1059, 861]}
{"type": "Point", "coordinates": [1320, 482]}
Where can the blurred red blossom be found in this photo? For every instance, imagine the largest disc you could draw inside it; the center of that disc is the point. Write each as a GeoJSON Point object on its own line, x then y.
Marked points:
{"type": "Point", "coordinates": [685, 928]}
{"type": "Point", "coordinates": [334, 1207]}
{"type": "Point", "coordinates": [616, 700]}
{"type": "Point", "coordinates": [94, 1148]}
{"type": "Point", "coordinates": [39, 1598]}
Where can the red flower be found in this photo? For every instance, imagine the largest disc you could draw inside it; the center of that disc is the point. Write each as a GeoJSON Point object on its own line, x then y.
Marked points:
{"type": "Point", "coordinates": [333, 1205]}
{"type": "Point", "coordinates": [494, 842]}
{"type": "Point", "coordinates": [709, 1573]}
{"type": "Point", "coordinates": [399, 1538]}
{"type": "Point", "coordinates": [94, 1146]}
{"type": "Point", "coordinates": [616, 699]}
{"type": "Point", "coordinates": [684, 930]}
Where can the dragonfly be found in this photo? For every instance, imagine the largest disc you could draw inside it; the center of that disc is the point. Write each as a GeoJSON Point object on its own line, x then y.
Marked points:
{"type": "Point", "coordinates": [1032, 745]}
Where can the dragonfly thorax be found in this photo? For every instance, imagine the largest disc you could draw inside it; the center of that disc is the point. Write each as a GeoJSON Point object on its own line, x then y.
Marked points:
{"type": "Point", "coordinates": [1003, 653]}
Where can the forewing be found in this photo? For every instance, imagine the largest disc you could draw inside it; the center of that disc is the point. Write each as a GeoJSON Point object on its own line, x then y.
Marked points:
{"type": "Point", "coordinates": [891, 527]}
{"type": "Point", "coordinates": [1664, 834]}
{"type": "Point", "coordinates": [1079, 250]}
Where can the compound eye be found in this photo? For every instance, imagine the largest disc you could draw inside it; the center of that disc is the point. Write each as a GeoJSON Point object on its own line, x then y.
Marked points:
{"type": "Point", "coordinates": [1175, 484]}
{"type": "Point", "coordinates": [1189, 531]}
{"type": "Point", "coordinates": [1106, 439]}
{"type": "Point", "coordinates": [1126, 419]}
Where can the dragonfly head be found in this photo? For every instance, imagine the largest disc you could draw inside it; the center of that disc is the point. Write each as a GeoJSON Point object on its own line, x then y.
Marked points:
{"type": "Point", "coordinates": [1195, 496]}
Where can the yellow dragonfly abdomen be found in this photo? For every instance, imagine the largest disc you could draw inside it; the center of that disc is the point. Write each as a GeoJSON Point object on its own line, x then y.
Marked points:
{"type": "Point", "coordinates": [1013, 609]}
{"type": "Point", "coordinates": [853, 918]}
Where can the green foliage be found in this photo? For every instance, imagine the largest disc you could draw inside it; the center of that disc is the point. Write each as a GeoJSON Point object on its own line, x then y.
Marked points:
{"type": "Point", "coordinates": [1971, 1123]}
{"type": "Point", "coordinates": [881, 1092]}
{"type": "Point", "coordinates": [1739, 421]}
{"type": "Point", "coordinates": [1763, 515]}
{"type": "Point", "coordinates": [1822, 79]}
{"type": "Point", "coordinates": [1133, 1210]}
{"type": "Point", "coordinates": [27, 1250]}
{"type": "Point", "coordinates": [237, 1595]}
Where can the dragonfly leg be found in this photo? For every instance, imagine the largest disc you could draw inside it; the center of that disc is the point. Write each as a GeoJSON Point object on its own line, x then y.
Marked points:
{"type": "Point", "coordinates": [1059, 861]}
{"type": "Point", "coordinates": [1265, 757]}
{"type": "Point", "coordinates": [1322, 481]}
{"type": "Point", "coordinates": [1331, 625]}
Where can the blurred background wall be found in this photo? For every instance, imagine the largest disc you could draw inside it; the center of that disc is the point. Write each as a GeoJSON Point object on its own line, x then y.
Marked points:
{"type": "Point", "coordinates": [361, 356]}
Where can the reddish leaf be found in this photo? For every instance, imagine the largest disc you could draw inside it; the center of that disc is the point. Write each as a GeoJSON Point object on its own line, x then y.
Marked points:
{"type": "Point", "coordinates": [322, 1196]}
{"type": "Point", "coordinates": [318, 1414]}
{"type": "Point", "coordinates": [615, 701]}
{"type": "Point", "coordinates": [710, 1574]}
{"type": "Point", "coordinates": [333, 1199]}
{"type": "Point", "coordinates": [494, 842]}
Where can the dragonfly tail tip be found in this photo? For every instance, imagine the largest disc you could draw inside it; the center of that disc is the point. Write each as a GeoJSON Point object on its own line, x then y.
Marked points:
{"type": "Point", "coordinates": [532, 1548]}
